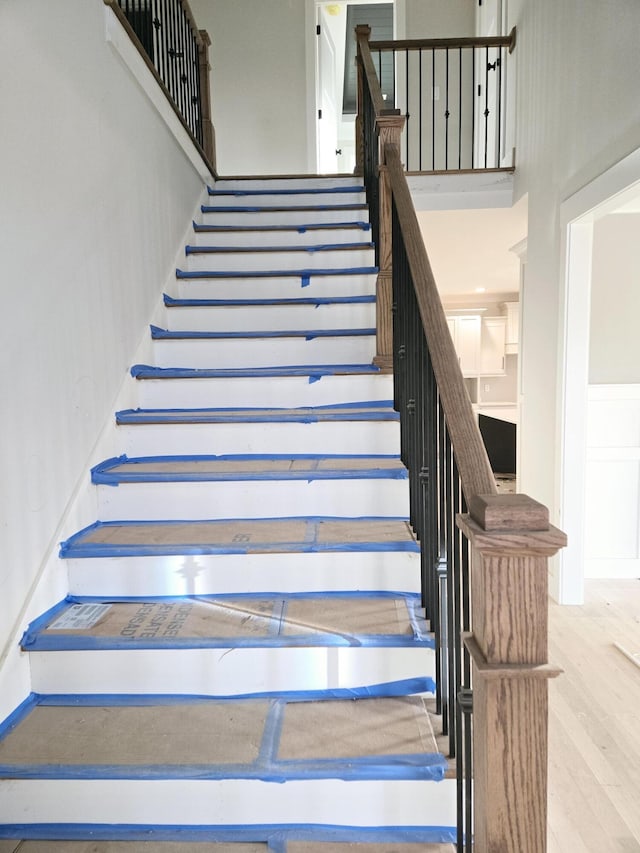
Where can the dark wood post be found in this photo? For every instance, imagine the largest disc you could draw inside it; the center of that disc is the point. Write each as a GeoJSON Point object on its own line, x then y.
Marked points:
{"type": "Point", "coordinates": [362, 32]}
{"type": "Point", "coordinates": [511, 541]}
{"type": "Point", "coordinates": [208, 131]}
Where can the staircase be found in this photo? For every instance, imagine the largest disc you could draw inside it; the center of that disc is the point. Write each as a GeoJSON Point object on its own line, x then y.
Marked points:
{"type": "Point", "coordinates": [242, 657]}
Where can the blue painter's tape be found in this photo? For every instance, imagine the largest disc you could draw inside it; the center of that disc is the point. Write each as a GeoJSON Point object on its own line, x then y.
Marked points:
{"type": "Point", "coordinates": [402, 687]}
{"type": "Point", "coordinates": [301, 229]}
{"type": "Point", "coordinates": [170, 302]}
{"type": "Point", "coordinates": [158, 334]}
{"type": "Point", "coordinates": [275, 835]}
{"type": "Point", "coordinates": [147, 371]}
{"type": "Point", "coordinates": [357, 188]}
{"type": "Point", "coordinates": [208, 208]}
{"type": "Point", "coordinates": [311, 248]}
{"type": "Point", "coordinates": [303, 274]}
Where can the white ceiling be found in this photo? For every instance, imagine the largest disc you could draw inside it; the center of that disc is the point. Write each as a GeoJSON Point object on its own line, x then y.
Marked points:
{"type": "Point", "coordinates": [471, 249]}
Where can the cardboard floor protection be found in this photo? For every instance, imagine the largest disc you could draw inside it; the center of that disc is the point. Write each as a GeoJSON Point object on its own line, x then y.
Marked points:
{"type": "Point", "coordinates": [254, 536]}
{"type": "Point", "coordinates": [11, 846]}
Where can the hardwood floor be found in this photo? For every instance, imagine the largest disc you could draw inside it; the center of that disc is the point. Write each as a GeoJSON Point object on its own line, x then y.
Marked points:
{"type": "Point", "coordinates": [594, 722]}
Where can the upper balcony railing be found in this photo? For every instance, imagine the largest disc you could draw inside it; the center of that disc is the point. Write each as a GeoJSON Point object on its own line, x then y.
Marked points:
{"type": "Point", "coordinates": [453, 95]}
{"type": "Point", "coordinates": [484, 556]}
{"type": "Point", "coordinates": [176, 52]}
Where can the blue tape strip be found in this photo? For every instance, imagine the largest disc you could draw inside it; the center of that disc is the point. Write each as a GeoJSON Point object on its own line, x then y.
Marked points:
{"type": "Point", "coordinates": [310, 248]}
{"type": "Point", "coordinates": [147, 371]}
{"type": "Point", "coordinates": [158, 334]}
{"type": "Point", "coordinates": [303, 274]}
{"type": "Point", "coordinates": [170, 302]}
{"type": "Point", "coordinates": [357, 188]}
{"type": "Point", "coordinates": [276, 835]}
{"type": "Point", "coordinates": [102, 473]}
{"type": "Point", "coordinates": [208, 208]}
{"type": "Point", "coordinates": [300, 229]}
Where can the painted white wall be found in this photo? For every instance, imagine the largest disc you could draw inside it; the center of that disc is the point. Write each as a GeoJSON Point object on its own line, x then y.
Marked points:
{"type": "Point", "coordinates": [96, 195]}
{"type": "Point", "coordinates": [578, 114]}
{"type": "Point", "coordinates": [614, 342]}
{"type": "Point", "coordinates": [435, 19]}
{"type": "Point", "coordinates": [258, 84]}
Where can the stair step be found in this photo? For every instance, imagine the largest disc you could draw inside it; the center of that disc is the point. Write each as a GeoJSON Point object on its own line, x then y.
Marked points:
{"type": "Point", "coordinates": [226, 197]}
{"type": "Point", "coordinates": [188, 761]}
{"type": "Point", "coordinates": [329, 283]}
{"type": "Point", "coordinates": [279, 643]}
{"type": "Point", "coordinates": [126, 558]}
{"type": "Point", "coordinates": [283, 214]}
{"type": "Point", "coordinates": [277, 182]}
{"type": "Point", "coordinates": [298, 234]}
{"type": "Point", "coordinates": [275, 258]}
{"type": "Point", "coordinates": [210, 487]}
{"type": "Point", "coordinates": [234, 315]}
{"type": "Point", "coordinates": [261, 348]}
{"type": "Point", "coordinates": [315, 385]}
{"type": "Point", "coordinates": [342, 429]}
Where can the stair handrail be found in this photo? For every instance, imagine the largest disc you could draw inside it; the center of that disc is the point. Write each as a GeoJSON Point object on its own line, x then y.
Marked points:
{"type": "Point", "coordinates": [193, 110]}
{"type": "Point", "coordinates": [484, 555]}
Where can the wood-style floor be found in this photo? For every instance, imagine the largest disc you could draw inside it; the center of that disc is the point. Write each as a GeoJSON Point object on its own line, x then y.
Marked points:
{"type": "Point", "coordinates": [594, 722]}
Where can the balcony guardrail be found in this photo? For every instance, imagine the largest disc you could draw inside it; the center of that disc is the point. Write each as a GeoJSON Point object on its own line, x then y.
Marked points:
{"type": "Point", "coordinates": [176, 52]}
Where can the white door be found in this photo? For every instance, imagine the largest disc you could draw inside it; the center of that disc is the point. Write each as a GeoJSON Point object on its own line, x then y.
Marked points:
{"type": "Point", "coordinates": [327, 117]}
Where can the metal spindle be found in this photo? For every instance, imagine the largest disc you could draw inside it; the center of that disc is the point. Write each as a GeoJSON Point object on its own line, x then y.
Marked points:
{"type": "Point", "coordinates": [433, 110]}
{"type": "Point", "coordinates": [408, 114]}
{"type": "Point", "coordinates": [420, 111]}
{"type": "Point", "coordinates": [446, 112]}
{"type": "Point", "coordinates": [459, 108]}
{"type": "Point", "coordinates": [486, 106]}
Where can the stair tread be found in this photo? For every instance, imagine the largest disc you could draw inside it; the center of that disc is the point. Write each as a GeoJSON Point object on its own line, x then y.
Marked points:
{"type": "Point", "coordinates": [310, 414]}
{"type": "Point", "coordinates": [245, 467]}
{"type": "Point", "coordinates": [300, 228]}
{"type": "Point", "coordinates": [149, 371]}
{"type": "Point", "coordinates": [288, 191]}
{"type": "Point", "coordinates": [296, 273]}
{"type": "Point", "coordinates": [275, 208]}
{"type": "Point", "coordinates": [310, 248]}
{"type": "Point", "coordinates": [212, 846]}
{"type": "Point", "coordinates": [242, 621]}
{"type": "Point", "coordinates": [308, 334]}
{"type": "Point", "coordinates": [269, 738]}
{"type": "Point", "coordinates": [241, 536]}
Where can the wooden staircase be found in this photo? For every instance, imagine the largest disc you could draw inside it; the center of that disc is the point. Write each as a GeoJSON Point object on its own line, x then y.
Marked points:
{"type": "Point", "coordinates": [242, 659]}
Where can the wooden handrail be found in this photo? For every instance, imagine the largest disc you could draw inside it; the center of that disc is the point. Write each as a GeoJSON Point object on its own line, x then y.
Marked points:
{"type": "Point", "coordinates": [362, 38]}
{"type": "Point", "coordinates": [447, 43]}
{"type": "Point", "coordinates": [473, 464]}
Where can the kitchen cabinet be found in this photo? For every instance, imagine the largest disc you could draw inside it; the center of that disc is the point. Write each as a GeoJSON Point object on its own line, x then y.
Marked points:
{"type": "Point", "coordinates": [492, 346]}
{"type": "Point", "coordinates": [466, 331]}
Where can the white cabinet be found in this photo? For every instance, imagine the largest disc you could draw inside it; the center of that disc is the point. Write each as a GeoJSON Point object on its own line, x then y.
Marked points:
{"type": "Point", "coordinates": [492, 348]}
{"type": "Point", "coordinates": [466, 334]}
{"type": "Point", "coordinates": [513, 327]}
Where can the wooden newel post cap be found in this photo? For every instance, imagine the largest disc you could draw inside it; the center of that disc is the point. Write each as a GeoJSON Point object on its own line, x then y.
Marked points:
{"type": "Point", "coordinates": [508, 512]}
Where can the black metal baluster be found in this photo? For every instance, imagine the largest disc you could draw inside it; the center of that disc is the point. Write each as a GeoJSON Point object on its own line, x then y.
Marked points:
{"type": "Point", "coordinates": [486, 106]}
{"type": "Point", "coordinates": [420, 110]}
{"type": "Point", "coordinates": [473, 105]}
{"type": "Point", "coordinates": [157, 53]}
{"type": "Point", "coordinates": [446, 112]}
{"type": "Point", "coordinates": [166, 25]}
{"type": "Point", "coordinates": [408, 114]}
{"type": "Point", "coordinates": [459, 108]}
{"type": "Point", "coordinates": [433, 110]}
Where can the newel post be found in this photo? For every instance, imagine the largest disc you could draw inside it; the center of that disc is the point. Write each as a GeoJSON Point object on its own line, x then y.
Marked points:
{"type": "Point", "coordinates": [362, 32]}
{"type": "Point", "coordinates": [208, 131]}
{"type": "Point", "coordinates": [511, 541]}
{"type": "Point", "coordinates": [389, 128]}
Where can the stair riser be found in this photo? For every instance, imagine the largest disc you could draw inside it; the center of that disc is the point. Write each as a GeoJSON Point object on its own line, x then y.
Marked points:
{"type": "Point", "coordinates": [224, 671]}
{"type": "Point", "coordinates": [284, 287]}
{"type": "Point", "coordinates": [274, 437]}
{"type": "Point", "coordinates": [285, 217]}
{"type": "Point", "coordinates": [251, 499]}
{"type": "Point", "coordinates": [288, 237]}
{"type": "Point", "coordinates": [287, 390]}
{"type": "Point", "coordinates": [212, 574]}
{"type": "Point", "coordinates": [271, 318]}
{"type": "Point", "coordinates": [263, 352]}
{"type": "Point", "coordinates": [232, 261]}
{"type": "Point", "coordinates": [180, 802]}
{"type": "Point", "coordinates": [288, 199]}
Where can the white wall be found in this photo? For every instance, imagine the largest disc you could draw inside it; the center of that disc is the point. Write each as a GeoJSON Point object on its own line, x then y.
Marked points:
{"type": "Point", "coordinates": [578, 113]}
{"type": "Point", "coordinates": [258, 84]}
{"type": "Point", "coordinates": [95, 199]}
{"type": "Point", "coordinates": [614, 341]}
{"type": "Point", "coordinates": [435, 19]}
